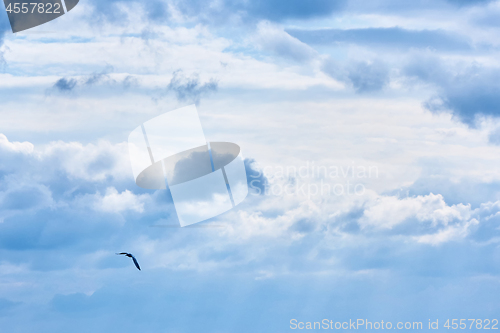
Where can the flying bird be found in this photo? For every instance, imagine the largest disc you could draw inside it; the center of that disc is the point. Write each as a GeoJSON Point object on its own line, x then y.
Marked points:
{"type": "Point", "coordinates": [133, 258]}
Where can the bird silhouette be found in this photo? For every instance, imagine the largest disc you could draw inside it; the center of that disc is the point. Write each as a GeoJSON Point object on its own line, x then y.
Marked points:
{"type": "Point", "coordinates": [133, 258]}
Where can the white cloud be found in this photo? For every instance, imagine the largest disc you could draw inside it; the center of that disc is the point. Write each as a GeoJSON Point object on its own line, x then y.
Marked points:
{"type": "Point", "coordinates": [447, 234]}
{"type": "Point", "coordinates": [115, 202]}
{"type": "Point", "coordinates": [389, 211]}
{"type": "Point", "coordinates": [16, 147]}
{"type": "Point", "coordinates": [92, 162]}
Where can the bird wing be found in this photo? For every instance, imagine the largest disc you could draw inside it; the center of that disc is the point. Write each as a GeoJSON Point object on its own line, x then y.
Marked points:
{"type": "Point", "coordinates": [122, 253]}
{"type": "Point", "coordinates": [136, 263]}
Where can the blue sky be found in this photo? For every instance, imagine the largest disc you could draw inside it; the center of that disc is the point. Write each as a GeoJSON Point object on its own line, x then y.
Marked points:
{"type": "Point", "coordinates": [409, 89]}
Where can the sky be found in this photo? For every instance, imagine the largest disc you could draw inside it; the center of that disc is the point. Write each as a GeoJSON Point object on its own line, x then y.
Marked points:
{"type": "Point", "coordinates": [371, 132]}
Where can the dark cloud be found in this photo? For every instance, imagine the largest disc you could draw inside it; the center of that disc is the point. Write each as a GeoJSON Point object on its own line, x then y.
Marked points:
{"type": "Point", "coordinates": [98, 77]}
{"type": "Point", "coordinates": [469, 98]}
{"type": "Point", "coordinates": [130, 81]}
{"type": "Point", "coordinates": [384, 37]}
{"type": "Point", "coordinates": [469, 92]}
{"type": "Point", "coordinates": [189, 88]}
{"type": "Point", "coordinates": [363, 76]}
{"type": "Point", "coordinates": [368, 77]}
{"type": "Point", "coordinates": [65, 84]}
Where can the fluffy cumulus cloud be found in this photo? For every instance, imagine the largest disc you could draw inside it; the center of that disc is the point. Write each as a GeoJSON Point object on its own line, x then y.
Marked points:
{"type": "Point", "coordinates": [407, 89]}
{"type": "Point", "coordinates": [390, 211]}
{"type": "Point", "coordinates": [25, 148]}
{"type": "Point", "coordinates": [67, 204]}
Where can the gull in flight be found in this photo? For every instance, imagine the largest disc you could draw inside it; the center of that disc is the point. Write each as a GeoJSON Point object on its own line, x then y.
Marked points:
{"type": "Point", "coordinates": [133, 258]}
